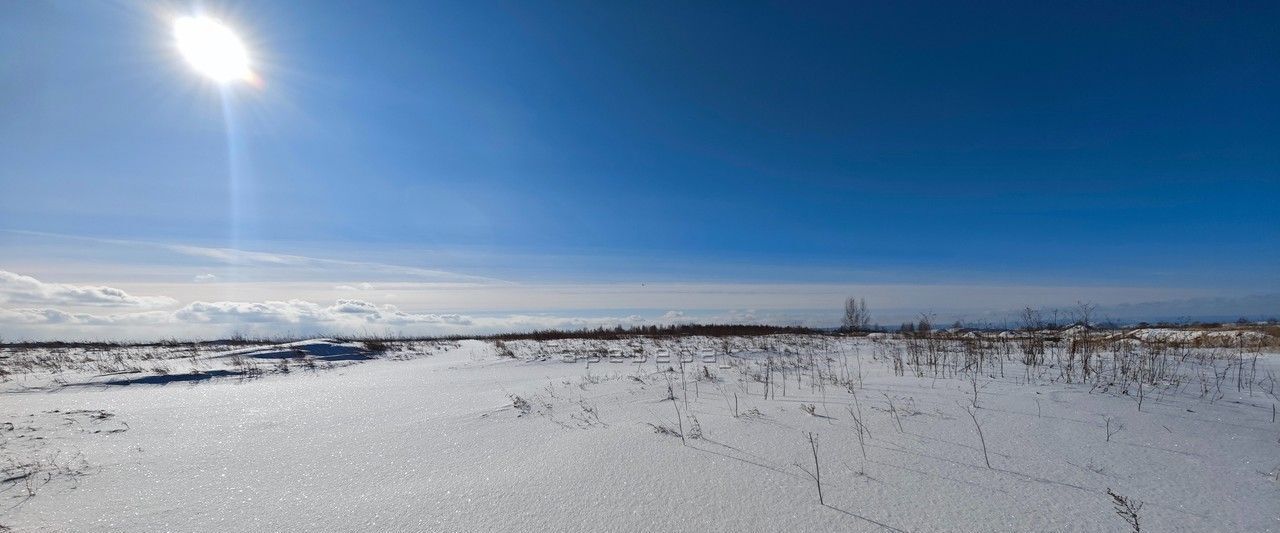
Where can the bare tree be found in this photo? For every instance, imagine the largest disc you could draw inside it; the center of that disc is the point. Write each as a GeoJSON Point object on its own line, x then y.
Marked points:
{"type": "Point", "coordinates": [1083, 312]}
{"type": "Point", "coordinates": [925, 326]}
{"type": "Point", "coordinates": [856, 316]}
{"type": "Point", "coordinates": [1032, 319]}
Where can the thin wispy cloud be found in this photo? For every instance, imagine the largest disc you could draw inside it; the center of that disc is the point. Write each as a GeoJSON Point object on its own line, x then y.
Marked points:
{"type": "Point", "coordinates": [297, 266]}
{"type": "Point", "coordinates": [232, 256]}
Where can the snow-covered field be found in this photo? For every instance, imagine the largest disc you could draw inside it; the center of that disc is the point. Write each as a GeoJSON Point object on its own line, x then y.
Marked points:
{"type": "Point", "coordinates": [591, 435]}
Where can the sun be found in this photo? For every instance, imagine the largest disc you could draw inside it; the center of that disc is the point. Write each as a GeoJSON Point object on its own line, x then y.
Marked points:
{"type": "Point", "coordinates": [212, 49]}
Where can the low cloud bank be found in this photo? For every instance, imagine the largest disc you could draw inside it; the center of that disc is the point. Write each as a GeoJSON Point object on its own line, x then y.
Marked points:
{"type": "Point", "coordinates": [31, 309]}
{"type": "Point", "coordinates": [17, 288]}
{"type": "Point", "coordinates": [295, 318]}
{"type": "Point", "coordinates": [39, 315]}
{"type": "Point", "coordinates": [342, 312]}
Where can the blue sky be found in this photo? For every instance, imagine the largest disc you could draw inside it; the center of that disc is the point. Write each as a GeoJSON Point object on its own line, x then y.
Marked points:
{"type": "Point", "coordinates": [1005, 145]}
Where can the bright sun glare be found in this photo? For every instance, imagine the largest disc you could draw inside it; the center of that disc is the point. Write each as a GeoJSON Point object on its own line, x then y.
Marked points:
{"type": "Point", "coordinates": [212, 48]}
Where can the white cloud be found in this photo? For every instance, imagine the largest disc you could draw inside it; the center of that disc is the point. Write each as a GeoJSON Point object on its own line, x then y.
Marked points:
{"type": "Point", "coordinates": [343, 313]}
{"type": "Point", "coordinates": [203, 278]}
{"type": "Point", "coordinates": [366, 286]}
{"type": "Point", "coordinates": [48, 316]}
{"type": "Point", "coordinates": [26, 289]}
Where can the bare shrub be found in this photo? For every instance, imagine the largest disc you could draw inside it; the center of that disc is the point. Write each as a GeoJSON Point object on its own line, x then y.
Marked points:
{"type": "Point", "coordinates": [981, 438]}
{"type": "Point", "coordinates": [589, 414]}
{"type": "Point", "coordinates": [863, 432]}
{"type": "Point", "coordinates": [377, 346]}
{"type": "Point", "coordinates": [893, 412]}
{"type": "Point", "coordinates": [32, 473]}
{"type": "Point", "coordinates": [816, 474]}
{"type": "Point", "coordinates": [695, 428]}
{"type": "Point", "coordinates": [1127, 508]}
{"type": "Point", "coordinates": [1112, 427]}
{"type": "Point", "coordinates": [521, 405]}
{"type": "Point", "coordinates": [664, 430]}
{"type": "Point", "coordinates": [503, 350]}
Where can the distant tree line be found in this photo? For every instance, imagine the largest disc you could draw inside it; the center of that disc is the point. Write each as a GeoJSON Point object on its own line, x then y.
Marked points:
{"type": "Point", "coordinates": [619, 332]}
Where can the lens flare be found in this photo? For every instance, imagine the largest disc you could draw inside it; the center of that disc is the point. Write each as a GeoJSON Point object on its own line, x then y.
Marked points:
{"type": "Point", "coordinates": [212, 49]}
